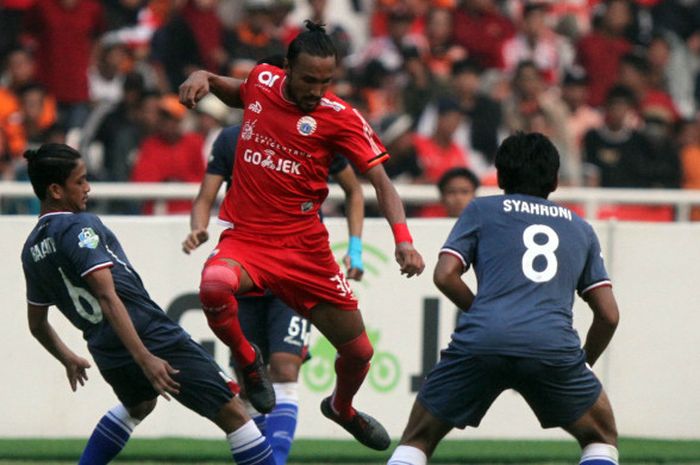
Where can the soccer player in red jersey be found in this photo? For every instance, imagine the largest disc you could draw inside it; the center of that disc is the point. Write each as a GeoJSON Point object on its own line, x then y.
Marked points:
{"type": "Point", "coordinates": [291, 127]}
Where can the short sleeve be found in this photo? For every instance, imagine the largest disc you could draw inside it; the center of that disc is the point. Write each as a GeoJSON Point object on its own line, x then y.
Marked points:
{"type": "Point", "coordinates": [84, 245]}
{"type": "Point", "coordinates": [463, 238]}
{"type": "Point", "coordinates": [338, 164]}
{"type": "Point", "coordinates": [36, 294]}
{"type": "Point", "coordinates": [244, 88]}
{"type": "Point", "coordinates": [594, 273]}
{"type": "Point", "coordinates": [222, 153]}
{"type": "Point", "coordinates": [358, 141]}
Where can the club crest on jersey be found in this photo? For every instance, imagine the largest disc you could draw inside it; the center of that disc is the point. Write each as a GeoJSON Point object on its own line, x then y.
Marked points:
{"type": "Point", "coordinates": [306, 125]}
{"type": "Point", "coordinates": [255, 107]}
{"type": "Point", "coordinates": [87, 239]}
{"type": "Point", "coordinates": [248, 129]}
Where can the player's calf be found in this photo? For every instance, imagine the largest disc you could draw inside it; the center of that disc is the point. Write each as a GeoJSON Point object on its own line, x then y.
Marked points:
{"type": "Point", "coordinates": [351, 367]}
{"type": "Point", "coordinates": [110, 436]}
{"type": "Point", "coordinates": [246, 442]}
{"type": "Point", "coordinates": [219, 283]}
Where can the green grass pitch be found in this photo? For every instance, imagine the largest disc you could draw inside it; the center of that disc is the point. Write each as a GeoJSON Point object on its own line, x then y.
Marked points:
{"type": "Point", "coordinates": [317, 452]}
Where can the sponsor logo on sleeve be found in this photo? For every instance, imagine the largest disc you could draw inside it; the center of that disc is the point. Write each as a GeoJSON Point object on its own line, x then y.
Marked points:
{"type": "Point", "coordinates": [255, 107]}
{"type": "Point", "coordinates": [87, 239]}
{"type": "Point", "coordinates": [267, 78]}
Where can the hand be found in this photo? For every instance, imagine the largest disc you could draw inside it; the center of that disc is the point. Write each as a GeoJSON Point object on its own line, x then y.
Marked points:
{"type": "Point", "coordinates": [158, 373]}
{"type": "Point", "coordinates": [75, 371]}
{"type": "Point", "coordinates": [409, 259]}
{"type": "Point", "coordinates": [194, 239]}
{"type": "Point", "coordinates": [195, 87]}
{"type": "Point", "coordinates": [352, 272]}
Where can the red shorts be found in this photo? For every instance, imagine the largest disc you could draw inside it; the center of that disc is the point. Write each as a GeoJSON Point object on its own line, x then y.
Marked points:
{"type": "Point", "coordinates": [300, 270]}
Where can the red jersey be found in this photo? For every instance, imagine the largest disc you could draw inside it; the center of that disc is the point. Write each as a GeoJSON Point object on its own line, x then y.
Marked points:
{"type": "Point", "coordinates": [161, 161]}
{"type": "Point", "coordinates": [435, 160]}
{"type": "Point", "coordinates": [66, 37]}
{"type": "Point", "coordinates": [280, 178]}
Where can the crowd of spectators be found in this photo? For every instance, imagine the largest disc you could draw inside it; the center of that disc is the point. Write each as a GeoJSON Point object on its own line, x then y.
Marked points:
{"type": "Point", "coordinates": [614, 83]}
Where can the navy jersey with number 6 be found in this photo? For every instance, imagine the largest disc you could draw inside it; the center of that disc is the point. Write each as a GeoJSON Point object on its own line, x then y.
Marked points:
{"type": "Point", "coordinates": [529, 256]}
{"type": "Point", "coordinates": [65, 247]}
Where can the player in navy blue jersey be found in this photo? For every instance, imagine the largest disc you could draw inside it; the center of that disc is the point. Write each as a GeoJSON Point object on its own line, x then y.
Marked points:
{"type": "Point", "coordinates": [530, 256]}
{"type": "Point", "coordinates": [71, 260]}
{"type": "Point", "coordinates": [280, 333]}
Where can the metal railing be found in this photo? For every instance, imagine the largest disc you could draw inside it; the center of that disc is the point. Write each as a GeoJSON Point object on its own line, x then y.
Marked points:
{"type": "Point", "coordinates": [589, 198]}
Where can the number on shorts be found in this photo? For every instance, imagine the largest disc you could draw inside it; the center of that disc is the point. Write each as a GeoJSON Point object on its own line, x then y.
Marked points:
{"type": "Point", "coordinates": [92, 314]}
{"type": "Point", "coordinates": [534, 250]}
{"type": "Point", "coordinates": [299, 327]}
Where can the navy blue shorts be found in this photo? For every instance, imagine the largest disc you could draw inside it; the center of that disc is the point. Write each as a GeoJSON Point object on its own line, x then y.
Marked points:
{"type": "Point", "coordinates": [273, 326]}
{"type": "Point", "coordinates": [462, 387]}
{"type": "Point", "coordinates": [203, 387]}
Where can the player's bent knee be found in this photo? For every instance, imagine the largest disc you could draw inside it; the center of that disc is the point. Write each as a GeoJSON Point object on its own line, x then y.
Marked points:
{"type": "Point", "coordinates": [359, 350]}
{"type": "Point", "coordinates": [595, 427]}
{"type": "Point", "coordinates": [142, 410]}
{"type": "Point", "coordinates": [219, 282]}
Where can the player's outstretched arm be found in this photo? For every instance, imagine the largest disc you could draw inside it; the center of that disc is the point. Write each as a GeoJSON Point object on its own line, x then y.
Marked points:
{"type": "Point", "coordinates": [201, 210]}
{"type": "Point", "coordinates": [390, 205]}
{"type": "Point", "coordinates": [41, 329]}
{"type": "Point", "coordinates": [448, 278]}
{"type": "Point", "coordinates": [158, 371]}
{"type": "Point", "coordinates": [200, 83]}
{"type": "Point", "coordinates": [606, 316]}
{"type": "Point", "coordinates": [355, 214]}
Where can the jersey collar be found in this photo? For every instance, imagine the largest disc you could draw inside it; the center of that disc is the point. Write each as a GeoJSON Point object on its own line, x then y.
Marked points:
{"type": "Point", "coordinates": [54, 213]}
{"type": "Point", "coordinates": [281, 90]}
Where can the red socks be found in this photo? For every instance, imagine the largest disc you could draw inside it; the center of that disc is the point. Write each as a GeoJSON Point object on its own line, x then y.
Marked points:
{"type": "Point", "coordinates": [351, 367]}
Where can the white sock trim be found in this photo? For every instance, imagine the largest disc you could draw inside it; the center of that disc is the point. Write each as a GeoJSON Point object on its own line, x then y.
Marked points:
{"type": "Point", "coordinates": [408, 455]}
{"type": "Point", "coordinates": [599, 451]}
{"type": "Point", "coordinates": [120, 415]}
{"type": "Point", "coordinates": [286, 393]}
{"type": "Point", "coordinates": [245, 437]}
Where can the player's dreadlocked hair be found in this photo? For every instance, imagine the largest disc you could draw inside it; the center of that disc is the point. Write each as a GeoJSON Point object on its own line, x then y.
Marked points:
{"type": "Point", "coordinates": [50, 164]}
{"type": "Point", "coordinates": [527, 164]}
{"type": "Point", "coordinates": [313, 41]}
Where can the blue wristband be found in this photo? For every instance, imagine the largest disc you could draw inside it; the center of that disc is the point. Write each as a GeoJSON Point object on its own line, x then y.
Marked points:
{"type": "Point", "coordinates": [355, 252]}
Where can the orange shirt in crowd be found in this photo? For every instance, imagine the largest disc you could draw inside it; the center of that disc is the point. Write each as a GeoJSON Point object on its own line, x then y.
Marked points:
{"type": "Point", "coordinates": [11, 120]}
{"type": "Point", "coordinates": [436, 159]}
{"type": "Point", "coordinates": [690, 160]}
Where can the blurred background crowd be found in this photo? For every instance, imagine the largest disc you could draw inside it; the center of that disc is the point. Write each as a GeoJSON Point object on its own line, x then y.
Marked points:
{"type": "Point", "coordinates": [615, 84]}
